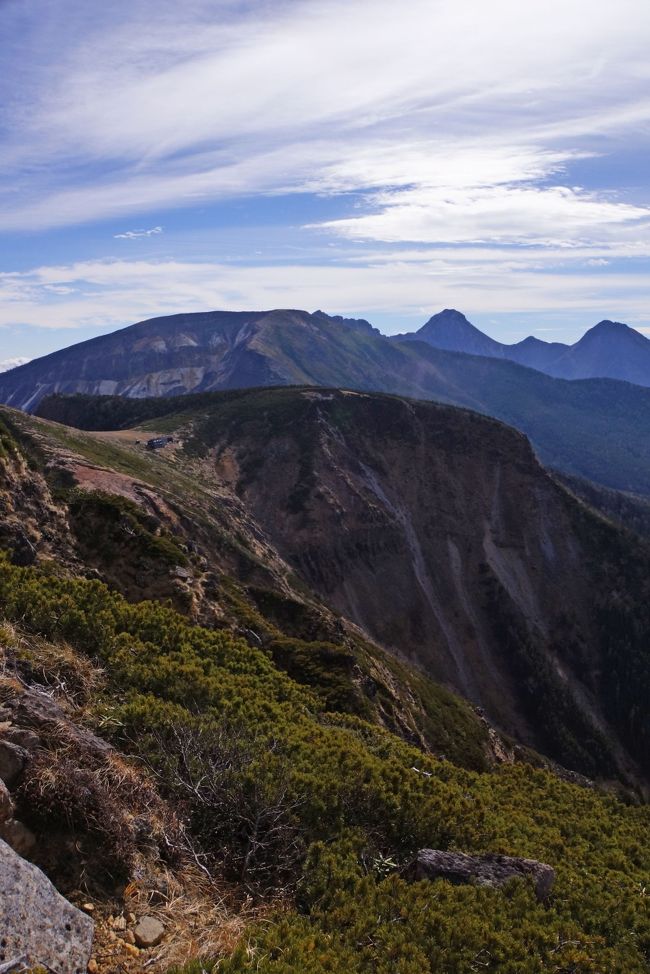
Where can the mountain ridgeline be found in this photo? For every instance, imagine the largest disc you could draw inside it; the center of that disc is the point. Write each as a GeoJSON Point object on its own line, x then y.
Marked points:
{"type": "Point", "coordinates": [609, 350]}
{"type": "Point", "coordinates": [592, 428]}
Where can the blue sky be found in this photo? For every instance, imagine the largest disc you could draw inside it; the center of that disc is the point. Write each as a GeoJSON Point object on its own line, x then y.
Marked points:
{"type": "Point", "coordinates": [365, 158]}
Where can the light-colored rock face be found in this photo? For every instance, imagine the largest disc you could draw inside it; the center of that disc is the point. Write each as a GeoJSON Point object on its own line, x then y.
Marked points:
{"type": "Point", "coordinates": [37, 924]}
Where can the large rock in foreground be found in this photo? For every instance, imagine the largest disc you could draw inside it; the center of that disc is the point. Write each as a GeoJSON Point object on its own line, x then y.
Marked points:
{"type": "Point", "coordinates": [488, 870]}
{"type": "Point", "coordinates": [38, 925]}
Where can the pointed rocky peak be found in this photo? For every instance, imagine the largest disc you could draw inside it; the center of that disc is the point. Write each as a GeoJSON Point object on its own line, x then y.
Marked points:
{"type": "Point", "coordinates": [610, 349]}
{"type": "Point", "coordinates": [449, 318]}
{"type": "Point", "coordinates": [615, 331]}
{"type": "Point", "coordinates": [450, 330]}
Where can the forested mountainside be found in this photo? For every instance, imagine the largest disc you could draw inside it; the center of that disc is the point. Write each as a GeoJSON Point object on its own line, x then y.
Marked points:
{"type": "Point", "coordinates": [629, 511]}
{"type": "Point", "coordinates": [595, 429]}
{"type": "Point", "coordinates": [255, 761]}
{"type": "Point", "coordinates": [609, 350]}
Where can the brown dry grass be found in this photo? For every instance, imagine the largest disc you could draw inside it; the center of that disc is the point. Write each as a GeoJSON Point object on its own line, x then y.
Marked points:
{"type": "Point", "coordinates": [55, 667]}
{"type": "Point", "coordinates": [203, 920]}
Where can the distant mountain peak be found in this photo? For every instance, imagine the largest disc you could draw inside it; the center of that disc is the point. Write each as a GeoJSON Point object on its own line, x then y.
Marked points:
{"type": "Point", "coordinates": [449, 315]}
{"type": "Point", "coordinates": [608, 327]}
{"type": "Point", "coordinates": [450, 330]}
{"type": "Point", "coordinates": [616, 339]}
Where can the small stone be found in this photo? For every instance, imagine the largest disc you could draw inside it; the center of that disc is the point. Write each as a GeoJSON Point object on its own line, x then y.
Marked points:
{"type": "Point", "coordinates": [119, 923]}
{"type": "Point", "coordinates": [88, 907]}
{"type": "Point", "coordinates": [183, 573]}
{"type": "Point", "coordinates": [93, 966]}
{"type": "Point", "coordinates": [148, 932]}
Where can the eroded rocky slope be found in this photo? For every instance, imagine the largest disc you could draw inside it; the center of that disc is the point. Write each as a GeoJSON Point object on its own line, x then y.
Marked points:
{"type": "Point", "coordinates": [438, 532]}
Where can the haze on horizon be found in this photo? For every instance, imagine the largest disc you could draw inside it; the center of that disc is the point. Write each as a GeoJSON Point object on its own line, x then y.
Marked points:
{"type": "Point", "coordinates": [159, 157]}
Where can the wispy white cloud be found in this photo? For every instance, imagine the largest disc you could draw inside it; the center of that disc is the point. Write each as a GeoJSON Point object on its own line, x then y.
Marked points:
{"type": "Point", "coordinates": [115, 293]}
{"type": "Point", "coordinates": [134, 234]}
{"type": "Point", "coordinates": [12, 363]}
{"type": "Point", "coordinates": [455, 126]}
{"type": "Point", "coordinates": [503, 213]}
{"type": "Point", "coordinates": [216, 99]}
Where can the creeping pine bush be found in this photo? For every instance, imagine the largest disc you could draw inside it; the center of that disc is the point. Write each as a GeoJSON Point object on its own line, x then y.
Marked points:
{"type": "Point", "coordinates": [298, 798]}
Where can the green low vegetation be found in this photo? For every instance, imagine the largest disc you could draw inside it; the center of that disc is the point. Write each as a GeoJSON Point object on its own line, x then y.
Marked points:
{"type": "Point", "coordinates": [109, 524]}
{"type": "Point", "coordinates": [323, 807]}
{"type": "Point", "coordinates": [7, 441]}
{"type": "Point", "coordinates": [630, 511]}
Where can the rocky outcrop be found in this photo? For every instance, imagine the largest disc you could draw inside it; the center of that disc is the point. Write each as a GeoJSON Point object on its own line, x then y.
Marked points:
{"type": "Point", "coordinates": [30, 715]}
{"type": "Point", "coordinates": [39, 926]}
{"type": "Point", "coordinates": [29, 722]}
{"type": "Point", "coordinates": [18, 836]}
{"type": "Point", "coordinates": [12, 761]}
{"type": "Point", "coordinates": [488, 870]}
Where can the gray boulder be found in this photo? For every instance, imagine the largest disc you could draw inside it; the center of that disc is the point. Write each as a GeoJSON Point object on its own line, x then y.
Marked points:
{"type": "Point", "coordinates": [487, 870]}
{"type": "Point", "coordinates": [39, 926]}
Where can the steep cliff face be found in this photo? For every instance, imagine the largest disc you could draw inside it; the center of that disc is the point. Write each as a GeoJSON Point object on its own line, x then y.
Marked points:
{"type": "Point", "coordinates": [438, 532]}
{"type": "Point", "coordinates": [30, 521]}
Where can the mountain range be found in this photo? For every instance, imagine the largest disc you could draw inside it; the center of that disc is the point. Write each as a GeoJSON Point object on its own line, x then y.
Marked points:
{"type": "Point", "coordinates": [608, 350]}
{"type": "Point", "coordinates": [185, 353]}
{"type": "Point", "coordinates": [595, 429]}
